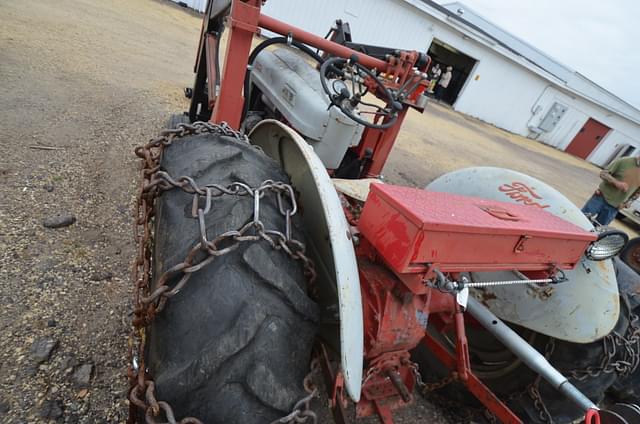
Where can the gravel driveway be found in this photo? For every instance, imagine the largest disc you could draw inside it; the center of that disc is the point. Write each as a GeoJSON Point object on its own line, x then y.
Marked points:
{"type": "Point", "coordinates": [81, 84]}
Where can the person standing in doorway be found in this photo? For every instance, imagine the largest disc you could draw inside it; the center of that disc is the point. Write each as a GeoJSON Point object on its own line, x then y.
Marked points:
{"type": "Point", "coordinates": [443, 83]}
{"type": "Point", "coordinates": [434, 73]}
{"type": "Point", "coordinates": [619, 187]}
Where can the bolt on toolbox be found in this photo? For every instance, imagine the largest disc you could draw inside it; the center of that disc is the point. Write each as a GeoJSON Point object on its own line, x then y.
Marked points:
{"type": "Point", "coordinates": [414, 230]}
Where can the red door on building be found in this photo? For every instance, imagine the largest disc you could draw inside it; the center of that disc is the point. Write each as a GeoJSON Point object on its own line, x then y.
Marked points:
{"type": "Point", "coordinates": [587, 139]}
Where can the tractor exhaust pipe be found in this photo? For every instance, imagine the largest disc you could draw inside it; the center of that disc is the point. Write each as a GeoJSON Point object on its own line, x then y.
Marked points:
{"type": "Point", "coordinates": [527, 354]}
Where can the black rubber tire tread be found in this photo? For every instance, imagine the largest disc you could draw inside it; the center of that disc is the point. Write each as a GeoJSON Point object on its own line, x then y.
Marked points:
{"type": "Point", "coordinates": [628, 282]}
{"type": "Point", "coordinates": [567, 357]}
{"type": "Point", "coordinates": [512, 386]}
{"type": "Point", "coordinates": [627, 389]}
{"type": "Point", "coordinates": [177, 118]}
{"type": "Point", "coordinates": [234, 345]}
{"type": "Point", "coordinates": [627, 254]}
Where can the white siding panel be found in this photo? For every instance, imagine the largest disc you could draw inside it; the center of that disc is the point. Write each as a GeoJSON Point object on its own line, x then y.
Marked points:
{"type": "Point", "coordinates": [579, 111]}
{"type": "Point", "coordinates": [503, 92]}
{"type": "Point", "coordinates": [610, 143]}
{"type": "Point", "coordinates": [395, 23]}
{"type": "Point", "coordinates": [575, 117]}
{"type": "Point", "coordinates": [391, 23]}
{"type": "Point", "coordinates": [199, 5]}
{"type": "Point", "coordinates": [567, 128]}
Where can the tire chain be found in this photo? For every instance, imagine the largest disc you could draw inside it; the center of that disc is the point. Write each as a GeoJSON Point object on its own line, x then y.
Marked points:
{"type": "Point", "coordinates": [623, 366]}
{"type": "Point", "coordinates": [621, 353]}
{"type": "Point", "coordinates": [148, 303]}
{"type": "Point", "coordinates": [533, 390]}
{"type": "Point", "coordinates": [427, 389]}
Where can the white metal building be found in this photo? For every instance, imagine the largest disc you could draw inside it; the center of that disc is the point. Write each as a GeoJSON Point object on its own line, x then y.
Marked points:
{"type": "Point", "coordinates": [199, 5]}
{"type": "Point", "coordinates": [497, 77]}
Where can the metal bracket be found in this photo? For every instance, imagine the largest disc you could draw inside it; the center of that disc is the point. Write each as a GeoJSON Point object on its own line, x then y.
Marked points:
{"type": "Point", "coordinates": [462, 297]}
{"type": "Point", "coordinates": [473, 383]}
{"type": "Point", "coordinates": [337, 400]}
{"type": "Point", "coordinates": [520, 244]}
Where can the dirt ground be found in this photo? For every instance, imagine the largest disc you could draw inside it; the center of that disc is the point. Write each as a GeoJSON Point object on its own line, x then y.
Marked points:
{"type": "Point", "coordinates": [81, 84]}
{"type": "Point", "coordinates": [88, 81]}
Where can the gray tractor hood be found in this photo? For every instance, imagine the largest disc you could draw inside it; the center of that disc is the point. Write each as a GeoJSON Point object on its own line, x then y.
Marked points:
{"type": "Point", "coordinates": [292, 86]}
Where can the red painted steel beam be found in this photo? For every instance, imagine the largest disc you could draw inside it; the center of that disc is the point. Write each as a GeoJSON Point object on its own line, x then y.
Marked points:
{"type": "Point", "coordinates": [473, 383]}
{"type": "Point", "coordinates": [337, 408]}
{"type": "Point", "coordinates": [243, 22]}
{"type": "Point", "coordinates": [381, 142]}
{"type": "Point", "coordinates": [325, 45]}
{"type": "Point", "coordinates": [384, 413]}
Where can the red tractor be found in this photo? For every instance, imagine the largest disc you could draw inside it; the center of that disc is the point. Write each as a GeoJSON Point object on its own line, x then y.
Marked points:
{"type": "Point", "coordinates": [269, 249]}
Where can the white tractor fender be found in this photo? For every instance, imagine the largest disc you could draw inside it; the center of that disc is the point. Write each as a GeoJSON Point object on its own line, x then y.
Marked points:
{"type": "Point", "coordinates": [328, 243]}
{"type": "Point", "coordinates": [581, 310]}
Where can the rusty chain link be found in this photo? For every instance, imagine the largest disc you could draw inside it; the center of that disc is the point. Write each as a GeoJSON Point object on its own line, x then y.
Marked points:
{"type": "Point", "coordinates": [621, 353]}
{"type": "Point", "coordinates": [301, 411]}
{"type": "Point", "coordinates": [148, 303]}
{"type": "Point", "coordinates": [426, 388]}
{"type": "Point", "coordinates": [621, 356]}
{"type": "Point", "coordinates": [620, 361]}
{"type": "Point", "coordinates": [615, 360]}
{"type": "Point", "coordinates": [533, 390]}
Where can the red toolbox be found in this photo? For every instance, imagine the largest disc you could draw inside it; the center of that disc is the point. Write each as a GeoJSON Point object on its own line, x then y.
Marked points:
{"type": "Point", "coordinates": [413, 229]}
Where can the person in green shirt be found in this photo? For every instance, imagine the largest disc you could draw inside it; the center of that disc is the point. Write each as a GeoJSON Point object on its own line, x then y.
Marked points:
{"type": "Point", "coordinates": [619, 187]}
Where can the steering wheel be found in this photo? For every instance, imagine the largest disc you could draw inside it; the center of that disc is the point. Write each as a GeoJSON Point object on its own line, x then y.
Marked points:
{"type": "Point", "coordinates": [336, 72]}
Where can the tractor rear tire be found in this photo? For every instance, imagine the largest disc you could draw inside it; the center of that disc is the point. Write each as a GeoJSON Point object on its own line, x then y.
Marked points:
{"type": "Point", "coordinates": [631, 254]}
{"type": "Point", "coordinates": [627, 389]}
{"type": "Point", "coordinates": [234, 345]}
{"type": "Point", "coordinates": [512, 382]}
{"type": "Point", "coordinates": [178, 118]}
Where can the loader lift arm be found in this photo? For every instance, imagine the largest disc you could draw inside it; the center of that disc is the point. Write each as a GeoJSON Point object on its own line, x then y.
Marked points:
{"type": "Point", "coordinates": [218, 93]}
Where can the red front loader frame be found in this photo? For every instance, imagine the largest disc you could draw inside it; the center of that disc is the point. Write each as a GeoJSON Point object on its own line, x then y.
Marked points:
{"type": "Point", "coordinates": [244, 22]}
{"type": "Point", "coordinates": [395, 300]}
